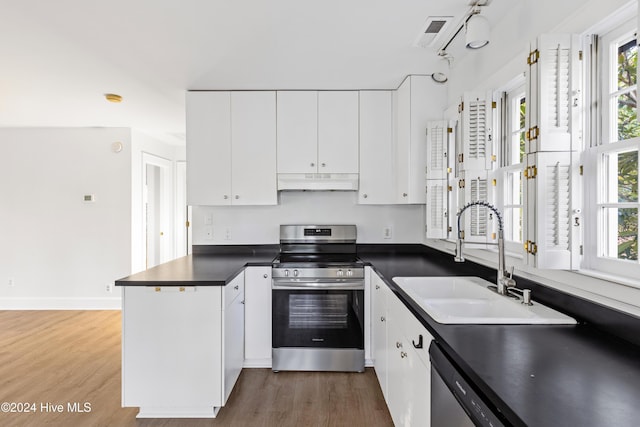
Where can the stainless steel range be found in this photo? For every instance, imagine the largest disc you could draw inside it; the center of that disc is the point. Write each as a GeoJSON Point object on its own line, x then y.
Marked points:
{"type": "Point", "coordinates": [318, 300]}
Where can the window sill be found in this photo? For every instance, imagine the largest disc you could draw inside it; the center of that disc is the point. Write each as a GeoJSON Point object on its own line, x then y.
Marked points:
{"type": "Point", "coordinates": [621, 280]}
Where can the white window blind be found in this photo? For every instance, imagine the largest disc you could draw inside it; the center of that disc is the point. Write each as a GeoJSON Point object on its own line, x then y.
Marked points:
{"type": "Point", "coordinates": [554, 93]}
{"type": "Point", "coordinates": [437, 137]}
{"type": "Point", "coordinates": [476, 151]}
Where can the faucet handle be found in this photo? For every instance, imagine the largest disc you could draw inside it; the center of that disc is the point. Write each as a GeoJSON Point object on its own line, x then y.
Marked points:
{"type": "Point", "coordinates": [510, 281]}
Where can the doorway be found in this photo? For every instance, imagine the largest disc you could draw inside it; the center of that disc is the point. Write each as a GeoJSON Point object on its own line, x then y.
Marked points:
{"type": "Point", "coordinates": [157, 211]}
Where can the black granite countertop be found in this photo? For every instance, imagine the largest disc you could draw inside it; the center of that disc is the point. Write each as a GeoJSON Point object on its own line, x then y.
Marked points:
{"type": "Point", "coordinates": [536, 375]}
{"type": "Point", "coordinates": [213, 266]}
{"type": "Point", "coordinates": [583, 375]}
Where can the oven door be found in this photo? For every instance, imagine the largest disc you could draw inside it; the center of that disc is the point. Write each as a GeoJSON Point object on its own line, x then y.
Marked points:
{"type": "Point", "coordinates": [318, 316]}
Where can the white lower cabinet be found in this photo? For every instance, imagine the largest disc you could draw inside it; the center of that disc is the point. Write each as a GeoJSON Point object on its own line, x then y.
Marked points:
{"type": "Point", "coordinates": [379, 295]}
{"type": "Point", "coordinates": [257, 317]}
{"type": "Point", "coordinates": [401, 358]}
{"type": "Point", "coordinates": [182, 348]}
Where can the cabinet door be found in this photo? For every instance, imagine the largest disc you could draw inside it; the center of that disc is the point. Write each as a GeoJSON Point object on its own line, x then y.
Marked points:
{"type": "Point", "coordinates": [233, 337]}
{"type": "Point", "coordinates": [396, 346]}
{"type": "Point", "coordinates": [379, 325]}
{"type": "Point", "coordinates": [402, 110]}
{"type": "Point", "coordinates": [376, 148]}
{"type": "Point", "coordinates": [338, 132]}
{"type": "Point", "coordinates": [209, 148]}
{"type": "Point", "coordinates": [158, 325]}
{"type": "Point", "coordinates": [253, 155]}
{"type": "Point", "coordinates": [297, 131]}
{"type": "Point", "coordinates": [257, 338]}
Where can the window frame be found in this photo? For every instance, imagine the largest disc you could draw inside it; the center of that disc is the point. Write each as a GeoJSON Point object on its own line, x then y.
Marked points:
{"type": "Point", "coordinates": [606, 143]}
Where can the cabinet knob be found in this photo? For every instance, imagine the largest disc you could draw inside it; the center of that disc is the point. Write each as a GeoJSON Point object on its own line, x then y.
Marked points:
{"type": "Point", "coordinates": [265, 275]}
{"type": "Point", "coordinates": [237, 197]}
{"type": "Point", "coordinates": [365, 196]}
{"type": "Point", "coordinates": [403, 354]}
{"type": "Point", "coordinates": [313, 165]}
{"type": "Point", "coordinates": [404, 194]}
{"type": "Point", "coordinates": [242, 302]}
{"type": "Point", "coordinates": [225, 197]}
{"type": "Point", "coordinates": [323, 165]}
{"type": "Point", "coordinates": [236, 287]}
{"type": "Point", "coordinates": [377, 286]}
{"type": "Point", "coordinates": [398, 344]}
{"type": "Point", "coordinates": [382, 318]}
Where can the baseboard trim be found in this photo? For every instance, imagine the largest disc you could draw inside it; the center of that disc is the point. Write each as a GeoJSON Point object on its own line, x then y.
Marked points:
{"type": "Point", "coordinates": [61, 303]}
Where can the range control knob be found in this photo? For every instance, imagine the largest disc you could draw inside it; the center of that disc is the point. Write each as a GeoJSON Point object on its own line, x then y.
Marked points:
{"type": "Point", "coordinates": [349, 273]}
{"type": "Point", "coordinates": [295, 273]}
{"type": "Point", "coordinates": [340, 273]}
{"type": "Point", "coordinates": [286, 273]}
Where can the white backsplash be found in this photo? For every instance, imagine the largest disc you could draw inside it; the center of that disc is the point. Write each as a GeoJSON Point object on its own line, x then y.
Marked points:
{"type": "Point", "coordinates": [260, 224]}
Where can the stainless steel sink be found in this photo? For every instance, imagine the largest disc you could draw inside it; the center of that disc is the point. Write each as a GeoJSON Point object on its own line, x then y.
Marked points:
{"type": "Point", "coordinates": [468, 300]}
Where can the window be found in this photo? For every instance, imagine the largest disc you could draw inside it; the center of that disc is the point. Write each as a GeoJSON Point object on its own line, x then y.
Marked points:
{"type": "Point", "coordinates": [613, 248]}
{"type": "Point", "coordinates": [513, 160]}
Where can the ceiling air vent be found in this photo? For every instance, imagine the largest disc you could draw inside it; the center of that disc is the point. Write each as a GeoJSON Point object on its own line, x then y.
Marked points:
{"type": "Point", "coordinates": [432, 29]}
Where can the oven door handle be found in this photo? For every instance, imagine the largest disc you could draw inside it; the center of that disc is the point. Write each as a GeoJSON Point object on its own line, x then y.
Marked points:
{"type": "Point", "coordinates": [296, 286]}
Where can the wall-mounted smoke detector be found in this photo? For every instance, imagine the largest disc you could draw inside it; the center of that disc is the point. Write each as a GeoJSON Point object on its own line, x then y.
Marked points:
{"type": "Point", "coordinates": [433, 28]}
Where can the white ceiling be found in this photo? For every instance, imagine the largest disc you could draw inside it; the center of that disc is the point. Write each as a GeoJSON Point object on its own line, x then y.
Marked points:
{"type": "Point", "coordinates": [60, 57]}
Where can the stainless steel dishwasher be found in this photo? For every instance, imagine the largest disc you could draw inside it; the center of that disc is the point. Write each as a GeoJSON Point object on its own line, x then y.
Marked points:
{"type": "Point", "coordinates": [453, 402]}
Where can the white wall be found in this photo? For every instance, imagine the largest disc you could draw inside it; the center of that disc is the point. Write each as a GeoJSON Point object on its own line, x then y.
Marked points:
{"type": "Point", "coordinates": [59, 251]}
{"type": "Point", "coordinates": [260, 224]}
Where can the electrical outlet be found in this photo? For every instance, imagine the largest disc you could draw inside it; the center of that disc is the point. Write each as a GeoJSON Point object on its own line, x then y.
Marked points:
{"type": "Point", "coordinates": [208, 233]}
{"type": "Point", "coordinates": [109, 287]}
{"type": "Point", "coordinates": [227, 234]}
{"type": "Point", "coordinates": [387, 232]}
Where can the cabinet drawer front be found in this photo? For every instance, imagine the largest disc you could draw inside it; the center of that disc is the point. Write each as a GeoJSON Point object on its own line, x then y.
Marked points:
{"type": "Point", "coordinates": [233, 289]}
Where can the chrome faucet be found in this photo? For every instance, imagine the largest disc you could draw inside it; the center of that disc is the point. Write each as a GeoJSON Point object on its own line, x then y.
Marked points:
{"type": "Point", "coordinates": [503, 283]}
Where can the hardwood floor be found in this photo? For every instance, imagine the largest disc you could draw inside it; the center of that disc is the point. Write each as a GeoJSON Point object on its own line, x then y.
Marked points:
{"type": "Point", "coordinates": [50, 358]}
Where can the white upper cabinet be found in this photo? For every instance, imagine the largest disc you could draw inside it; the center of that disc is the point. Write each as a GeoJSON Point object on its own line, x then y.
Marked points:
{"type": "Point", "coordinates": [253, 148]}
{"type": "Point", "coordinates": [231, 148]}
{"type": "Point", "coordinates": [297, 131]}
{"type": "Point", "coordinates": [338, 132]}
{"type": "Point", "coordinates": [317, 132]}
{"type": "Point", "coordinates": [208, 148]}
{"type": "Point", "coordinates": [417, 101]}
{"type": "Point", "coordinates": [377, 181]}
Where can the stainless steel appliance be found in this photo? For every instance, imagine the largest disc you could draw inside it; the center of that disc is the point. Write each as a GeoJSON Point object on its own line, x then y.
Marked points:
{"type": "Point", "coordinates": [454, 403]}
{"type": "Point", "coordinates": [318, 300]}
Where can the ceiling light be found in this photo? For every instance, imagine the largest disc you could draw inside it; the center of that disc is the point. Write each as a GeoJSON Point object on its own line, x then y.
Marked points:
{"type": "Point", "coordinates": [439, 77]}
{"type": "Point", "coordinates": [477, 32]}
{"type": "Point", "coordinates": [112, 97]}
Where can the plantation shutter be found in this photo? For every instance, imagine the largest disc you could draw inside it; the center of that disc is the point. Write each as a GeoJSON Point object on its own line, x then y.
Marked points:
{"type": "Point", "coordinates": [477, 150]}
{"type": "Point", "coordinates": [553, 93]}
{"type": "Point", "coordinates": [551, 227]}
{"type": "Point", "coordinates": [436, 210]}
{"type": "Point", "coordinates": [437, 149]}
{"type": "Point", "coordinates": [474, 186]}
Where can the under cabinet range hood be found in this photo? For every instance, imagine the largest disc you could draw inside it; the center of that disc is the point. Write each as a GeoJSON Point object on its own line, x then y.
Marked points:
{"type": "Point", "coordinates": [318, 181]}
